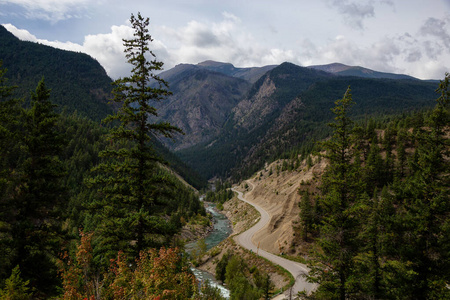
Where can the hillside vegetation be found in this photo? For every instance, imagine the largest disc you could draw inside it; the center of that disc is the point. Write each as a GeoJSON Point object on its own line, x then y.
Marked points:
{"type": "Point", "coordinates": [78, 82]}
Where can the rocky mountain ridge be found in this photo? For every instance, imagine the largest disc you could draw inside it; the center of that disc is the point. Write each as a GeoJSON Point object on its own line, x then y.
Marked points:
{"type": "Point", "coordinates": [288, 106]}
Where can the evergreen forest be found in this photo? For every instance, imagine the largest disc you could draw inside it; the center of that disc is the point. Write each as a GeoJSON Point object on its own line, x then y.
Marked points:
{"type": "Point", "coordinates": [380, 219]}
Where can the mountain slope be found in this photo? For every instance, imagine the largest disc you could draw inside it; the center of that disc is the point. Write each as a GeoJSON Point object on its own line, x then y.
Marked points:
{"type": "Point", "coordinates": [290, 106]}
{"type": "Point", "coordinates": [251, 74]}
{"type": "Point", "coordinates": [305, 117]}
{"type": "Point", "coordinates": [344, 70]}
{"type": "Point", "coordinates": [77, 81]}
{"type": "Point", "coordinates": [201, 102]}
{"type": "Point", "coordinates": [272, 92]}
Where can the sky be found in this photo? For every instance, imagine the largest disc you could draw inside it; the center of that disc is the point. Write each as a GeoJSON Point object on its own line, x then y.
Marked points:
{"type": "Point", "coordinates": [398, 36]}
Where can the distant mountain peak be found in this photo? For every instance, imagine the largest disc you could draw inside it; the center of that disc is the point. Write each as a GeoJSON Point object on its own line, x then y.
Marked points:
{"type": "Point", "coordinates": [212, 63]}
{"type": "Point", "coordinates": [250, 74]}
{"type": "Point", "coordinates": [345, 70]}
{"type": "Point", "coordinates": [332, 68]}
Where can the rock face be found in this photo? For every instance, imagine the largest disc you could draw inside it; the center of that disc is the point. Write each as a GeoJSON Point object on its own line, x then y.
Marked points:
{"type": "Point", "coordinates": [201, 102]}
{"type": "Point", "coordinates": [252, 111]}
{"type": "Point", "coordinates": [203, 98]}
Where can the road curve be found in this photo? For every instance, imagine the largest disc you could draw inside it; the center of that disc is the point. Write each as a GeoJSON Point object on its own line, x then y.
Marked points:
{"type": "Point", "coordinates": [295, 268]}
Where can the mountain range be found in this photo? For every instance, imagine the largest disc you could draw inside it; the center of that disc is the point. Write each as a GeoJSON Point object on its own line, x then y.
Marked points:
{"type": "Point", "coordinates": [234, 119]}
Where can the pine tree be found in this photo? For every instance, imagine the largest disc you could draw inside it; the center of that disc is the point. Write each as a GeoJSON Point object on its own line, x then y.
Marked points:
{"type": "Point", "coordinates": [38, 198]}
{"type": "Point", "coordinates": [371, 260]}
{"type": "Point", "coordinates": [132, 190]}
{"type": "Point", "coordinates": [401, 153]}
{"type": "Point", "coordinates": [306, 214]}
{"type": "Point", "coordinates": [373, 170]}
{"type": "Point", "coordinates": [332, 267]}
{"type": "Point", "coordinates": [10, 112]}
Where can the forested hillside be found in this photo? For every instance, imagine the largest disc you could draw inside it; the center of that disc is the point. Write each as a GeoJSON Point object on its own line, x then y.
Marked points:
{"type": "Point", "coordinates": [77, 81]}
{"type": "Point", "coordinates": [378, 218]}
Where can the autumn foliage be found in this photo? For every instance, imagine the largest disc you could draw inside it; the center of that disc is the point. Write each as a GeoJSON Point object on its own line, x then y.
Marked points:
{"type": "Point", "coordinates": [154, 275]}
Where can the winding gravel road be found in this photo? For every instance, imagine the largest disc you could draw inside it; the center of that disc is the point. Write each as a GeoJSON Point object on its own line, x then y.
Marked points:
{"type": "Point", "coordinates": [296, 269]}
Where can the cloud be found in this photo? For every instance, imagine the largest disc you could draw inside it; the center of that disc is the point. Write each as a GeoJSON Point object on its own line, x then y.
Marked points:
{"type": "Point", "coordinates": [378, 55]}
{"type": "Point", "coordinates": [225, 40]}
{"type": "Point", "coordinates": [354, 12]}
{"type": "Point", "coordinates": [27, 36]}
{"type": "Point", "coordinates": [51, 10]}
{"type": "Point", "coordinates": [438, 29]}
{"type": "Point", "coordinates": [21, 33]}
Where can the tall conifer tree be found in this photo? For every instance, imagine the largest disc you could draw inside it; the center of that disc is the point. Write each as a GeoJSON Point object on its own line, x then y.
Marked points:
{"type": "Point", "coordinates": [132, 191]}
{"type": "Point", "coordinates": [9, 120]}
{"type": "Point", "coordinates": [332, 266]}
{"type": "Point", "coordinates": [37, 220]}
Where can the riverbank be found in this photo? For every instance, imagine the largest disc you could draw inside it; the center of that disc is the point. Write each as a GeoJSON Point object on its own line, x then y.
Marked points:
{"type": "Point", "coordinates": [242, 216]}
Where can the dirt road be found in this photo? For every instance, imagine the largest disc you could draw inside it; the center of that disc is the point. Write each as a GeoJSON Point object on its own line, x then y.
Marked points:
{"type": "Point", "coordinates": [245, 240]}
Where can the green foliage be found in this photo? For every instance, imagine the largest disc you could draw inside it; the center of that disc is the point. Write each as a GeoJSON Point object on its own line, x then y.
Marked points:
{"type": "Point", "coordinates": [33, 192]}
{"type": "Point", "coordinates": [240, 286]}
{"type": "Point", "coordinates": [199, 249]}
{"type": "Point", "coordinates": [243, 282]}
{"type": "Point", "coordinates": [306, 214]}
{"type": "Point", "coordinates": [424, 196]}
{"type": "Point", "coordinates": [15, 288]}
{"type": "Point", "coordinates": [221, 267]}
{"type": "Point", "coordinates": [42, 206]}
{"type": "Point", "coordinates": [10, 112]}
{"type": "Point", "coordinates": [222, 193]}
{"type": "Point", "coordinates": [209, 292]}
{"type": "Point", "coordinates": [341, 189]}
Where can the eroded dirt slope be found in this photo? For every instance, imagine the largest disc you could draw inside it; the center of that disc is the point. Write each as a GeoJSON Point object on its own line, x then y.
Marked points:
{"type": "Point", "coordinates": [277, 192]}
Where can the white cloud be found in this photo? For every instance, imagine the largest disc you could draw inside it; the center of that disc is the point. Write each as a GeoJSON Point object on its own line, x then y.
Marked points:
{"type": "Point", "coordinates": [437, 28]}
{"type": "Point", "coordinates": [422, 59]}
{"type": "Point", "coordinates": [27, 36]}
{"type": "Point", "coordinates": [20, 33]}
{"type": "Point", "coordinates": [52, 10]}
{"type": "Point", "coordinates": [226, 40]}
{"type": "Point", "coordinates": [354, 12]}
